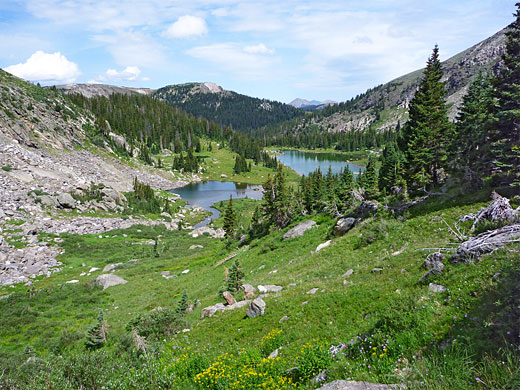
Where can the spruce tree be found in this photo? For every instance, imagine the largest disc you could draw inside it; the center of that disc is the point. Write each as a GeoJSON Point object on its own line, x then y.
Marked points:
{"type": "Point", "coordinates": [427, 133]}
{"type": "Point", "coordinates": [391, 164]}
{"type": "Point", "coordinates": [182, 306]}
{"type": "Point", "coordinates": [370, 184]}
{"type": "Point", "coordinates": [97, 334]}
{"type": "Point", "coordinates": [474, 128]}
{"type": "Point", "coordinates": [229, 218]}
{"type": "Point", "coordinates": [234, 281]}
{"type": "Point", "coordinates": [506, 142]}
{"type": "Point", "coordinates": [281, 215]}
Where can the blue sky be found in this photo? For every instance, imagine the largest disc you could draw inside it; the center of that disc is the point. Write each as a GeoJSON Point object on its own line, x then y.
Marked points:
{"type": "Point", "coordinates": [273, 49]}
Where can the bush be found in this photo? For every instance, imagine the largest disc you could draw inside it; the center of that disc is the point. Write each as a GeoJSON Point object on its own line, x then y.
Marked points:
{"type": "Point", "coordinates": [7, 168]}
{"type": "Point", "coordinates": [313, 358]}
{"type": "Point", "coordinates": [157, 324]}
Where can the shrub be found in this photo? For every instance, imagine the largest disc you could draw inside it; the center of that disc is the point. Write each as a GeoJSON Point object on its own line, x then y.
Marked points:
{"type": "Point", "coordinates": [271, 341]}
{"type": "Point", "coordinates": [7, 168]}
{"type": "Point", "coordinates": [313, 358]}
{"type": "Point", "coordinates": [156, 325]}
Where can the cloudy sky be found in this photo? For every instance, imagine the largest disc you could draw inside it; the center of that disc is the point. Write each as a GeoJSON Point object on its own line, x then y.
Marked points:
{"type": "Point", "coordinates": [277, 49]}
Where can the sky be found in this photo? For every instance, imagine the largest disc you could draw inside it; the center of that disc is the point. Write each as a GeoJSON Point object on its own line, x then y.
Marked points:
{"type": "Point", "coordinates": [272, 49]}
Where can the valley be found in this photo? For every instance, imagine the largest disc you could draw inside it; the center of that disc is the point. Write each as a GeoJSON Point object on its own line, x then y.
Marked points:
{"type": "Point", "coordinates": [191, 237]}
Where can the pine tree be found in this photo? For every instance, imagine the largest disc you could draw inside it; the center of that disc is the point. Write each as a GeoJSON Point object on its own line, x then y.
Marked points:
{"type": "Point", "coordinates": [97, 334]}
{"type": "Point", "coordinates": [370, 183]}
{"type": "Point", "coordinates": [182, 306]}
{"type": "Point", "coordinates": [390, 173]}
{"type": "Point", "coordinates": [427, 133]}
{"type": "Point", "coordinates": [281, 215]}
{"type": "Point", "coordinates": [234, 281]}
{"type": "Point", "coordinates": [506, 143]}
{"type": "Point", "coordinates": [474, 128]}
{"type": "Point", "coordinates": [229, 218]}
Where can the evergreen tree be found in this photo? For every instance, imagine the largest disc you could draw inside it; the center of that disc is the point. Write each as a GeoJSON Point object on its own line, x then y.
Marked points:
{"type": "Point", "coordinates": [182, 306]}
{"type": "Point", "coordinates": [281, 214]}
{"type": "Point", "coordinates": [97, 334]}
{"type": "Point", "coordinates": [229, 218]}
{"type": "Point", "coordinates": [506, 142]}
{"type": "Point", "coordinates": [370, 183]}
{"type": "Point", "coordinates": [234, 281]}
{"type": "Point", "coordinates": [474, 128]}
{"type": "Point", "coordinates": [427, 133]}
{"type": "Point", "coordinates": [390, 173]}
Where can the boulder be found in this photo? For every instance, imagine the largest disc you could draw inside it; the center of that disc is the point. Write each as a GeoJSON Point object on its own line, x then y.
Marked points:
{"type": "Point", "coordinates": [436, 288]}
{"type": "Point", "coordinates": [109, 280]}
{"type": "Point", "coordinates": [111, 267]}
{"type": "Point", "coordinates": [434, 261]}
{"type": "Point", "coordinates": [256, 308]}
{"type": "Point", "coordinates": [344, 225]}
{"type": "Point", "coordinates": [218, 233]}
{"type": "Point", "coordinates": [249, 291]}
{"type": "Point", "coordinates": [211, 310]}
{"type": "Point", "coordinates": [299, 229]}
{"type": "Point", "coordinates": [66, 200]}
{"type": "Point", "coordinates": [321, 246]}
{"type": "Point", "coordinates": [229, 298]}
{"type": "Point", "coordinates": [349, 385]}
{"type": "Point", "coordinates": [312, 291]}
{"type": "Point", "coordinates": [269, 288]}
{"type": "Point", "coordinates": [49, 201]}
{"type": "Point", "coordinates": [366, 209]}
{"type": "Point", "coordinates": [348, 273]}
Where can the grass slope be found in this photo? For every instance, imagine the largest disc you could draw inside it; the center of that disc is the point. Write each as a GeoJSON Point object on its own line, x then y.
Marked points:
{"type": "Point", "coordinates": [395, 324]}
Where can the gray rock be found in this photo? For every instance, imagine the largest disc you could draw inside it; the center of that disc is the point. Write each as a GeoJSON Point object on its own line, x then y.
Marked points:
{"type": "Point", "coordinates": [365, 209]}
{"type": "Point", "coordinates": [312, 291]}
{"type": "Point", "coordinates": [321, 377]}
{"type": "Point", "coordinates": [66, 200]}
{"type": "Point", "coordinates": [49, 201]}
{"type": "Point", "coordinates": [436, 288]}
{"type": "Point", "coordinates": [109, 280]}
{"type": "Point", "coordinates": [284, 318]}
{"type": "Point", "coordinates": [348, 385]}
{"type": "Point", "coordinates": [434, 261]}
{"type": "Point", "coordinates": [344, 225]}
{"type": "Point", "coordinates": [274, 354]}
{"type": "Point", "coordinates": [348, 273]}
{"type": "Point", "coordinates": [299, 229]}
{"type": "Point", "coordinates": [196, 247]}
{"type": "Point", "coordinates": [269, 288]}
{"type": "Point", "coordinates": [211, 310]}
{"type": "Point", "coordinates": [111, 267]}
{"type": "Point", "coordinates": [322, 246]}
{"type": "Point", "coordinates": [249, 291]}
{"type": "Point", "coordinates": [256, 308]}
{"type": "Point", "coordinates": [376, 269]}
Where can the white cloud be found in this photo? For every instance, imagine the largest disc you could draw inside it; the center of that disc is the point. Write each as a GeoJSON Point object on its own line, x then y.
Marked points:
{"type": "Point", "coordinates": [258, 49]}
{"type": "Point", "coordinates": [46, 68]}
{"type": "Point", "coordinates": [135, 48]}
{"type": "Point", "coordinates": [234, 58]}
{"type": "Point", "coordinates": [129, 73]}
{"type": "Point", "coordinates": [187, 26]}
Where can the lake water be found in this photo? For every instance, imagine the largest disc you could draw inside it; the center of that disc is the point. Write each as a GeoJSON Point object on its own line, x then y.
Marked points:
{"type": "Point", "coordinates": [205, 194]}
{"type": "Point", "coordinates": [307, 162]}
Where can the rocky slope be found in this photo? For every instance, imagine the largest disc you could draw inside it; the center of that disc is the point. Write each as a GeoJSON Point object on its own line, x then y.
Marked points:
{"type": "Point", "coordinates": [45, 158]}
{"type": "Point", "coordinates": [391, 100]}
{"type": "Point", "coordinates": [90, 90]}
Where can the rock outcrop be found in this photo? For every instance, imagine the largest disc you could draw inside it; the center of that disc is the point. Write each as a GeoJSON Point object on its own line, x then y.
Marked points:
{"type": "Point", "coordinates": [109, 280]}
{"type": "Point", "coordinates": [299, 229]}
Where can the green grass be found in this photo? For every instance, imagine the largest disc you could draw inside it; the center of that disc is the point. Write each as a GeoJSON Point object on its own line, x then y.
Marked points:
{"type": "Point", "coordinates": [389, 309]}
{"type": "Point", "coordinates": [220, 162]}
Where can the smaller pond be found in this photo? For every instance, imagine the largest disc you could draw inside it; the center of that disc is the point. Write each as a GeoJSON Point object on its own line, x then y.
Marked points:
{"type": "Point", "coordinates": [306, 162]}
{"type": "Point", "coordinates": [205, 194]}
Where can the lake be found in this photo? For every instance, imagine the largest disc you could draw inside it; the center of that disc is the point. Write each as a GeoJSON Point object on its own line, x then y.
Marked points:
{"type": "Point", "coordinates": [205, 194]}
{"type": "Point", "coordinates": [306, 162]}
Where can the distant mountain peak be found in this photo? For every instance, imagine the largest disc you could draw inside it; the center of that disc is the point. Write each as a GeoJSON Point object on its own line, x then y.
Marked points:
{"type": "Point", "coordinates": [306, 104]}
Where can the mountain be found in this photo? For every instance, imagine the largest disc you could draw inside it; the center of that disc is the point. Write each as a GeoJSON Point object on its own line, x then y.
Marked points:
{"type": "Point", "coordinates": [226, 108]}
{"type": "Point", "coordinates": [90, 90]}
{"type": "Point", "coordinates": [384, 106]}
{"type": "Point", "coordinates": [310, 105]}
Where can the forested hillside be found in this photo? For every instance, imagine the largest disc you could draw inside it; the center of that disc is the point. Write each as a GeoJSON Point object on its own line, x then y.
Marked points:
{"type": "Point", "coordinates": [226, 108]}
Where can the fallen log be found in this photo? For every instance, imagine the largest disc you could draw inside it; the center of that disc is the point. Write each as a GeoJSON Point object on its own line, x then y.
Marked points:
{"type": "Point", "coordinates": [499, 210]}
{"type": "Point", "coordinates": [485, 243]}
